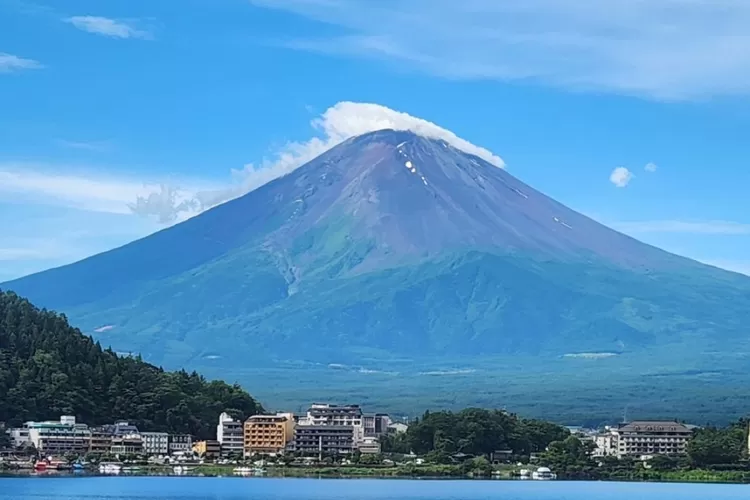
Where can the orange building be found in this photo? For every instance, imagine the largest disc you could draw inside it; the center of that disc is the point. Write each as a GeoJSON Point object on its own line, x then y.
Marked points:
{"type": "Point", "coordinates": [268, 434]}
{"type": "Point", "coordinates": [207, 449]}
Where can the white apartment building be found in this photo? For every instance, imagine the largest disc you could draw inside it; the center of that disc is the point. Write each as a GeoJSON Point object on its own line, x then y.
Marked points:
{"type": "Point", "coordinates": [155, 443]}
{"type": "Point", "coordinates": [180, 444]}
{"type": "Point", "coordinates": [231, 435]}
{"type": "Point", "coordinates": [336, 415]}
{"type": "Point", "coordinates": [606, 444]}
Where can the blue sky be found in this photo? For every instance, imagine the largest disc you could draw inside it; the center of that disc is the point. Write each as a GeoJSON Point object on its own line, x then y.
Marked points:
{"type": "Point", "coordinates": [120, 117]}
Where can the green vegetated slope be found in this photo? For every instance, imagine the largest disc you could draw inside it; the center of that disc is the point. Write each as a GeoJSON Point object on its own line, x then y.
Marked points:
{"type": "Point", "coordinates": [465, 304]}
{"type": "Point", "coordinates": [48, 369]}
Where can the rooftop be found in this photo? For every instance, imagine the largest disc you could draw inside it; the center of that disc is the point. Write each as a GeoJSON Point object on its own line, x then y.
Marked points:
{"type": "Point", "coordinates": [654, 426]}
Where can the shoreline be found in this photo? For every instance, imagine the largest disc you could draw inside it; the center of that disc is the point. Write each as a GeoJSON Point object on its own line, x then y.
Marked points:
{"type": "Point", "coordinates": [698, 477]}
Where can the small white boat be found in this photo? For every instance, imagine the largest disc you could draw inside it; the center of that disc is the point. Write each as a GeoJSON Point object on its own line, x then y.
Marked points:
{"type": "Point", "coordinates": [107, 468]}
{"type": "Point", "coordinates": [180, 470]}
{"type": "Point", "coordinates": [243, 471]}
{"type": "Point", "coordinates": [249, 471]}
{"type": "Point", "coordinates": [543, 474]}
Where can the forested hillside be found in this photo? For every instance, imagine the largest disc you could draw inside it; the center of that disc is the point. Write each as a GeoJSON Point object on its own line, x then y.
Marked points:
{"type": "Point", "coordinates": [48, 369]}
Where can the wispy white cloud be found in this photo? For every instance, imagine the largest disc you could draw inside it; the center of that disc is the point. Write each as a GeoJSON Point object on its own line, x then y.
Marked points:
{"type": "Point", "coordinates": [621, 177]}
{"type": "Point", "coordinates": [10, 63]}
{"type": "Point", "coordinates": [45, 185]}
{"type": "Point", "coordinates": [660, 48]}
{"type": "Point", "coordinates": [96, 146]}
{"type": "Point", "coordinates": [105, 26]}
{"type": "Point", "coordinates": [680, 226]}
{"type": "Point", "coordinates": [650, 167]}
{"type": "Point", "coordinates": [21, 253]}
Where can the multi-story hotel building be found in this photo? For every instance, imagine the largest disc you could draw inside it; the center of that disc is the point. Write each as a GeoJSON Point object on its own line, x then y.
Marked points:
{"type": "Point", "coordinates": [324, 439]}
{"type": "Point", "coordinates": [155, 443]}
{"type": "Point", "coordinates": [126, 438]}
{"type": "Point", "coordinates": [268, 434]}
{"type": "Point", "coordinates": [101, 441]}
{"type": "Point", "coordinates": [180, 444]}
{"type": "Point", "coordinates": [231, 435]}
{"type": "Point", "coordinates": [59, 438]}
{"type": "Point", "coordinates": [375, 425]}
{"type": "Point", "coordinates": [643, 438]}
{"type": "Point", "coordinates": [336, 415]}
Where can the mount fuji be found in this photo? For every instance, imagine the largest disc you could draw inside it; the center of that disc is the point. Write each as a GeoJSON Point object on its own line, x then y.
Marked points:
{"type": "Point", "coordinates": [395, 265]}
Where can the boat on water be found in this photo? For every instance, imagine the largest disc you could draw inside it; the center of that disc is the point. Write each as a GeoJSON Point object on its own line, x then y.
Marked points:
{"type": "Point", "coordinates": [110, 468]}
{"type": "Point", "coordinates": [525, 474]}
{"type": "Point", "coordinates": [543, 474]}
{"type": "Point", "coordinates": [180, 470]}
{"type": "Point", "coordinates": [249, 471]}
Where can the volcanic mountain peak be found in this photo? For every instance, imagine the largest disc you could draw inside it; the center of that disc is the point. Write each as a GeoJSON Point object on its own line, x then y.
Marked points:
{"type": "Point", "coordinates": [389, 247]}
{"type": "Point", "coordinates": [405, 194]}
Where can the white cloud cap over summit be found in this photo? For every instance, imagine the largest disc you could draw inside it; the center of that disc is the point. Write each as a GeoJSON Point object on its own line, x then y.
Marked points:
{"type": "Point", "coordinates": [338, 123]}
{"type": "Point", "coordinates": [350, 119]}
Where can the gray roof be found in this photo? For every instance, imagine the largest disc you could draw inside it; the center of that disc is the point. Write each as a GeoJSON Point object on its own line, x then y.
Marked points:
{"type": "Point", "coordinates": [653, 426]}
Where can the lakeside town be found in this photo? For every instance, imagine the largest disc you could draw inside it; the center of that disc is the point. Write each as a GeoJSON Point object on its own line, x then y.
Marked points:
{"type": "Point", "coordinates": [326, 436]}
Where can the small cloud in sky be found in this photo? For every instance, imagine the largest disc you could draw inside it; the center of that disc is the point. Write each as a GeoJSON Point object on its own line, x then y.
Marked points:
{"type": "Point", "coordinates": [621, 177]}
{"type": "Point", "coordinates": [10, 63]}
{"type": "Point", "coordinates": [47, 185]}
{"type": "Point", "coordinates": [107, 27]}
{"type": "Point", "coordinates": [650, 167]}
{"type": "Point", "coordinates": [165, 205]}
{"type": "Point", "coordinates": [96, 146]}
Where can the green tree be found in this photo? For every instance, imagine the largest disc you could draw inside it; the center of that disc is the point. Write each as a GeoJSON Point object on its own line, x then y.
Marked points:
{"type": "Point", "coordinates": [5, 442]}
{"type": "Point", "coordinates": [477, 432]}
{"type": "Point", "coordinates": [395, 442]}
{"type": "Point", "coordinates": [570, 457]}
{"type": "Point", "coordinates": [712, 446]}
{"type": "Point", "coordinates": [50, 369]}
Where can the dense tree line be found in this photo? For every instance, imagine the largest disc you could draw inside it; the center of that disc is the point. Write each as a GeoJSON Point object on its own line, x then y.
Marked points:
{"type": "Point", "coordinates": [713, 446]}
{"type": "Point", "coordinates": [48, 369]}
{"type": "Point", "coordinates": [474, 432]}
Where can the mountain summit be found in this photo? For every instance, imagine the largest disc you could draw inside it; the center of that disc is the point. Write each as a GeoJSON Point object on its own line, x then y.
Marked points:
{"type": "Point", "coordinates": [394, 246]}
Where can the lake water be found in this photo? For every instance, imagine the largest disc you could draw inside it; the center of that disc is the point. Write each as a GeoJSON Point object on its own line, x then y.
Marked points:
{"type": "Point", "coordinates": [179, 488]}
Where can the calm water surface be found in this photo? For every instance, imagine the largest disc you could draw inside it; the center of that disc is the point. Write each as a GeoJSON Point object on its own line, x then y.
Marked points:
{"type": "Point", "coordinates": [164, 488]}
